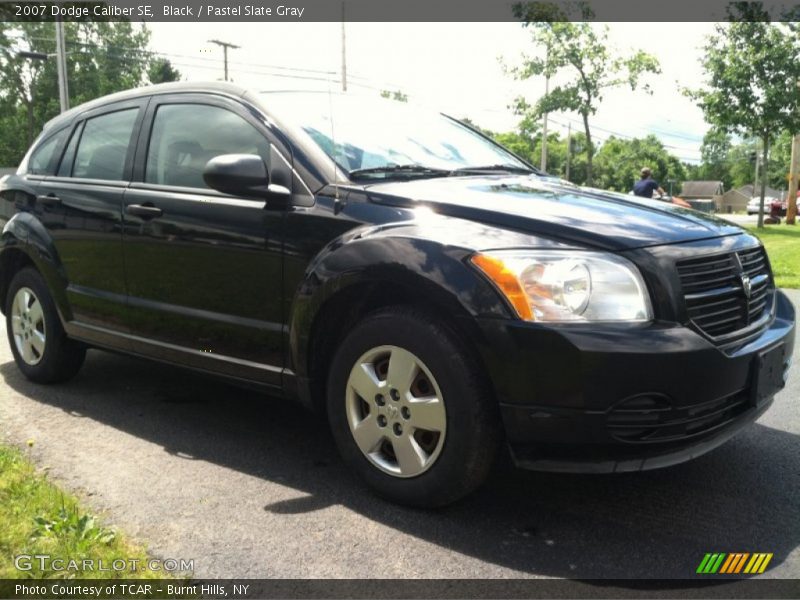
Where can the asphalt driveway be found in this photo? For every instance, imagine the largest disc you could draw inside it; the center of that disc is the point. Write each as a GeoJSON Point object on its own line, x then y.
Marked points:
{"type": "Point", "coordinates": [252, 487]}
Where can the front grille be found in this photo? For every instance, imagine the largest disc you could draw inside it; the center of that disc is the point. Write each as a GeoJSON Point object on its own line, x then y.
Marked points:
{"type": "Point", "coordinates": [714, 288]}
{"type": "Point", "coordinates": [653, 419]}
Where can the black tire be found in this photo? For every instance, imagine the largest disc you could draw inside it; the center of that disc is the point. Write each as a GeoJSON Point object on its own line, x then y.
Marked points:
{"type": "Point", "coordinates": [472, 422]}
{"type": "Point", "coordinates": [61, 358]}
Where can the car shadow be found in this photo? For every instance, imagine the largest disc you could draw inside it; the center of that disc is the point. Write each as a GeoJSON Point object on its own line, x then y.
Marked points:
{"type": "Point", "coordinates": [657, 524]}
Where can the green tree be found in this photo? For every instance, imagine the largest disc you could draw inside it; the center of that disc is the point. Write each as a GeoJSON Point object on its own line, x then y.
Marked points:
{"type": "Point", "coordinates": [714, 153]}
{"type": "Point", "coordinates": [779, 158]}
{"type": "Point", "coordinates": [580, 51]}
{"type": "Point", "coordinates": [394, 95]}
{"type": "Point", "coordinates": [102, 57]}
{"type": "Point", "coordinates": [520, 144]}
{"type": "Point", "coordinates": [752, 69]}
{"type": "Point", "coordinates": [162, 71]}
{"type": "Point", "coordinates": [741, 163]}
{"type": "Point", "coordinates": [619, 162]}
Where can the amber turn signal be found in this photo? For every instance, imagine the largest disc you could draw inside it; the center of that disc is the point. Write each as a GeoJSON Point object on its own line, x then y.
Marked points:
{"type": "Point", "coordinates": [507, 282]}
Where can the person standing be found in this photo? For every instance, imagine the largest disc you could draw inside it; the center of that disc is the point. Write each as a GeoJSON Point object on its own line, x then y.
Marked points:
{"type": "Point", "coordinates": [647, 185]}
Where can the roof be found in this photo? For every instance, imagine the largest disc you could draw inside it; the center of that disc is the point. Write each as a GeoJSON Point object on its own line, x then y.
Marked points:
{"type": "Point", "coordinates": [748, 191]}
{"type": "Point", "coordinates": [736, 193]}
{"type": "Point", "coordinates": [701, 189]}
{"type": "Point", "coordinates": [161, 88]}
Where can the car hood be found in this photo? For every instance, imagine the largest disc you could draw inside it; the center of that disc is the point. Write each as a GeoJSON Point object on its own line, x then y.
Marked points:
{"type": "Point", "coordinates": [574, 215]}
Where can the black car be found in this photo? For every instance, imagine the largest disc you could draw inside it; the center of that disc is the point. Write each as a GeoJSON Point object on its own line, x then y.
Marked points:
{"type": "Point", "coordinates": [432, 293]}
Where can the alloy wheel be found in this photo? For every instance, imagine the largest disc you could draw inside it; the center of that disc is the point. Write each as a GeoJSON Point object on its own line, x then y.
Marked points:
{"type": "Point", "coordinates": [27, 325]}
{"type": "Point", "coordinates": [396, 411]}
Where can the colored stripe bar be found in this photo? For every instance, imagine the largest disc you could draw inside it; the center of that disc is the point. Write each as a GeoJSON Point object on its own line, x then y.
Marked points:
{"type": "Point", "coordinates": [726, 565]}
{"type": "Point", "coordinates": [764, 564]}
{"type": "Point", "coordinates": [703, 563]}
{"type": "Point", "coordinates": [715, 568]}
{"type": "Point", "coordinates": [740, 564]}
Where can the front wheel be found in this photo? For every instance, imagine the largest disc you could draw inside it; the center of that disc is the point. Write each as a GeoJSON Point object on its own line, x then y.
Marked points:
{"type": "Point", "coordinates": [40, 347]}
{"type": "Point", "coordinates": [410, 410]}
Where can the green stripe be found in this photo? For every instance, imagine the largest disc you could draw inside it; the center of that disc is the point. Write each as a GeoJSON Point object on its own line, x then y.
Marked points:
{"type": "Point", "coordinates": [702, 566]}
{"type": "Point", "coordinates": [710, 563]}
{"type": "Point", "coordinates": [718, 563]}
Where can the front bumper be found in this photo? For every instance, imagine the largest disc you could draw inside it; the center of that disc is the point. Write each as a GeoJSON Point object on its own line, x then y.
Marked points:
{"type": "Point", "coordinates": [625, 397]}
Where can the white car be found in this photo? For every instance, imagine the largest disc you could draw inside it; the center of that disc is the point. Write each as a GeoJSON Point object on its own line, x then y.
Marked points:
{"type": "Point", "coordinates": [752, 206]}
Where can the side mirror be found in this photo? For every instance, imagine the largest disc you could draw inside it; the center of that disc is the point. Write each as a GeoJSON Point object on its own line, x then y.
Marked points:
{"type": "Point", "coordinates": [238, 175]}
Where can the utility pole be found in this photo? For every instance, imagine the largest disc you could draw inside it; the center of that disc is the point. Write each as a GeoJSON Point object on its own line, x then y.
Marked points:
{"type": "Point", "coordinates": [225, 46]}
{"type": "Point", "coordinates": [794, 172]}
{"type": "Point", "coordinates": [344, 55]}
{"type": "Point", "coordinates": [569, 148]}
{"type": "Point", "coordinates": [61, 63]}
{"type": "Point", "coordinates": [544, 117]}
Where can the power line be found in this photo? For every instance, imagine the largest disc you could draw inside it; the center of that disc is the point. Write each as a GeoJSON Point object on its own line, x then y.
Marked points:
{"type": "Point", "coordinates": [264, 70]}
{"type": "Point", "coordinates": [198, 58]}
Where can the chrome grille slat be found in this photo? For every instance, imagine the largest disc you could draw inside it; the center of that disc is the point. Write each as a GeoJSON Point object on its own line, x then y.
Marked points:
{"type": "Point", "coordinates": [713, 291]}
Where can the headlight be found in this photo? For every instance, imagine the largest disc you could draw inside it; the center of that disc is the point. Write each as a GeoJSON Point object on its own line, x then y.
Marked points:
{"type": "Point", "coordinates": [560, 285]}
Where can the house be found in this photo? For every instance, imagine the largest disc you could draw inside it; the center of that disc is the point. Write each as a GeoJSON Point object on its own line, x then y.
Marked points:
{"type": "Point", "coordinates": [733, 201]}
{"type": "Point", "coordinates": [701, 190]}
{"type": "Point", "coordinates": [755, 192]}
{"type": "Point", "coordinates": [703, 195]}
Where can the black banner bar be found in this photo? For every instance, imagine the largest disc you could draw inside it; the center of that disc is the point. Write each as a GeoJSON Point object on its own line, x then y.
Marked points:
{"type": "Point", "coordinates": [346, 589]}
{"type": "Point", "coordinates": [383, 10]}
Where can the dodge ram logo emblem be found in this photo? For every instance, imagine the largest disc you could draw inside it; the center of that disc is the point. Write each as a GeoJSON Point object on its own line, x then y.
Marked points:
{"type": "Point", "coordinates": [747, 285]}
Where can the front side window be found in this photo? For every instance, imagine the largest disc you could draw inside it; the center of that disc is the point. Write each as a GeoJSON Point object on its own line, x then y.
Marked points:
{"type": "Point", "coordinates": [186, 136]}
{"type": "Point", "coordinates": [41, 161]}
{"type": "Point", "coordinates": [103, 146]}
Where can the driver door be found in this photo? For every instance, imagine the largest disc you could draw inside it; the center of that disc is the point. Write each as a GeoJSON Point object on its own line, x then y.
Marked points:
{"type": "Point", "coordinates": [203, 269]}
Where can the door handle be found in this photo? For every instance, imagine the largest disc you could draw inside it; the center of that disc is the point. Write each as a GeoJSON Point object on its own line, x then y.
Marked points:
{"type": "Point", "coordinates": [144, 211]}
{"type": "Point", "coordinates": [49, 200]}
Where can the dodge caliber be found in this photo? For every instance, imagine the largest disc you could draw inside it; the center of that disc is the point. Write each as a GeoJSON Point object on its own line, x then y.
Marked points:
{"type": "Point", "coordinates": [435, 296]}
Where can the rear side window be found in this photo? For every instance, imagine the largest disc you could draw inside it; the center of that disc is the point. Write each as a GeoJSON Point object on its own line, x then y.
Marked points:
{"type": "Point", "coordinates": [42, 161]}
{"type": "Point", "coordinates": [103, 146]}
{"type": "Point", "coordinates": [65, 168]}
{"type": "Point", "coordinates": [186, 136]}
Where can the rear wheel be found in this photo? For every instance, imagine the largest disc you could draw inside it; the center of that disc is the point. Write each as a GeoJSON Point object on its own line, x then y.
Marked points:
{"type": "Point", "coordinates": [410, 410]}
{"type": "Point", "coordinates": [40, 347]}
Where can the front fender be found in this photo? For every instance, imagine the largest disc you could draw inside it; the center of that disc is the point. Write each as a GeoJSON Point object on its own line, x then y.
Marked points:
{"type": "Point", "coordinates": [435, 273]}
{"type": "Point", "coordinates": [25, 233]}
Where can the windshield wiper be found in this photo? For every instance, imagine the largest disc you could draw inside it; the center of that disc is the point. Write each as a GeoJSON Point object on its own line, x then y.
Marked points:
{"type": "Point", "coordinates": [421, 170]}
{"type": "Point", "coordinates": [493, 169]}
{"type": "Point", "coordinates": [399, 170]}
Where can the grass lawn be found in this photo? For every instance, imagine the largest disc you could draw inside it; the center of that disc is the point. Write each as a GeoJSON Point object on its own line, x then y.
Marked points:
{"type": "Point", "coordinates": [38, 518]}
{"type": "Point", "coordinates": [783, 246]}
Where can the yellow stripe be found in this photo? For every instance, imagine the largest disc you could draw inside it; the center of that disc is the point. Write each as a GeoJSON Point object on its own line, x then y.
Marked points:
{"type": "Point", "coordinates": [757, 564]}
{"type": "Point", "coordinates": [765, 563]}
{"type": "Point", "coordinates": [741, 562]}
{"type": "Point", "coordinates": [749, 566]}
{"type": "Point", "coordinates": [727, 562]}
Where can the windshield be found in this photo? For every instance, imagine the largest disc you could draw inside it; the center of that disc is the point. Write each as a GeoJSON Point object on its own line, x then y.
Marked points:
{"type": "Point", "coordinates": [377, 138]}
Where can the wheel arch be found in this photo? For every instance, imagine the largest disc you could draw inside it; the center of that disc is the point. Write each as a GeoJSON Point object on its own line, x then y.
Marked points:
{"type": "Point", "coordinates": [361, 277]}
{"type": "Point", "coordinates": [25, 242]}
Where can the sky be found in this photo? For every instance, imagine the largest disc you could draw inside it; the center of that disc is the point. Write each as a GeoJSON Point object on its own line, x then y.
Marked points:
{"type": "Point", "coordinates": [456, 68]}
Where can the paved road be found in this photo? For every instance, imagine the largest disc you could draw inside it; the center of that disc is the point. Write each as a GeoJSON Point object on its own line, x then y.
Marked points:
{"type": "Point", "coordinates": [252, 488]}
{"type": "Point", "coordinates": [740, 219]}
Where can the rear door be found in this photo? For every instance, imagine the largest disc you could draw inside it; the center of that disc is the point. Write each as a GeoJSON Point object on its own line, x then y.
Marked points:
{"type": "Point", "coordinates": [81, 207]}
{"type": "Point", "coordinates": [204, 269]}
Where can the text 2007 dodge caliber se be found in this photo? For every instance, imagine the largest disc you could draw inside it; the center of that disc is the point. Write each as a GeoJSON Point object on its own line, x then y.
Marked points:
{"type": "Point", "coordinates": [434, 295]}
